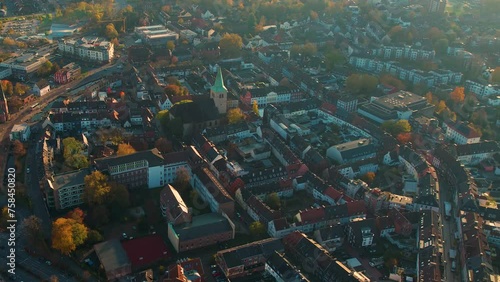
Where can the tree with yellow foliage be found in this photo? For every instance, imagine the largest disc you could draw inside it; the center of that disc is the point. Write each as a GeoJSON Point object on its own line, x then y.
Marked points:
{"type": "Point", "coordinates": [235, 115]}
{"type": "Point", "coordinates": [67, 234]}
{"type": "Point", "coordinates": [125, 149]}
{"type": "Point", "coordinates": [255, 107]}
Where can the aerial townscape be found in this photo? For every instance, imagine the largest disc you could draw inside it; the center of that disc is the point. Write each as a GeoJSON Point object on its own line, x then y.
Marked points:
{"type": "Point", "coordinates": [250, 140]}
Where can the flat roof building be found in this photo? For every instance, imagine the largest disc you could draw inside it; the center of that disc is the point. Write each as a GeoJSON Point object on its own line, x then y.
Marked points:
{"type": "Point", "coordinates": [395, 106]}
{"type": "Point", "coordinates": [156, 35]}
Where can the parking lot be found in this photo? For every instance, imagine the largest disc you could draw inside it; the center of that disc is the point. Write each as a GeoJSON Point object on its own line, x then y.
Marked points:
{"type": "Point", "coordinates": [25, 27]}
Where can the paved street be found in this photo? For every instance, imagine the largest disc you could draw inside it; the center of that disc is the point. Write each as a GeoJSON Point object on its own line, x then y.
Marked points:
{"type": "Point", "coordinates": [448, 231]}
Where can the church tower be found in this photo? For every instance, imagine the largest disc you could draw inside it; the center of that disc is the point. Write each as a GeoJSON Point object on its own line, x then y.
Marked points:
{"type": "Point", "coordinates": [218, 92]}
{"type": "Point", "coordinates": [4, 107]}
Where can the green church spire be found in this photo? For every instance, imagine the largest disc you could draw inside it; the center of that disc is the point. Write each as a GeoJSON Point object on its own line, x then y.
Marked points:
{"type": "Point", "coordinates": [218, 86]}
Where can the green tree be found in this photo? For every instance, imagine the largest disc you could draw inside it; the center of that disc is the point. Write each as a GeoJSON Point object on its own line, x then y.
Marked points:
{"type": "Point", "coordinates": [96, 189]}
{"type": "Point", "coordinates": [396, 127]}
{"type": "Point", "coordinates": [230, 45]}
{"type": "Point", "coordinates": [273, 201]}
{"type": "Point", "coordinates": [45, 69]}
{"type": "Point", "coordinates": [20, 89]}
{"type": "Point", "coordinates": [163, 117]}
{"type": "Point", "coordinates": [176, 127]}
{"type": "Point", "coordinates": [333, 58]}
{"type": "Point", "coordinates": [235, 115]}
{"type": "Point", "coordinates": [257, 229]}
{"type": "Point", "coordinates": [361, 83]}
{"type": "Point", "coordinates": [441, 46]}
{"type": "Point", "coordinates": [175, 90]}
{"type": "Point", "coordinates": [73, 153]}
{"type": "Point", "coordinates": [94, 237]}
{"type": "Point", "coordinates": [119, 196]}
{"type": "Point", "coordinates": [111, 32]}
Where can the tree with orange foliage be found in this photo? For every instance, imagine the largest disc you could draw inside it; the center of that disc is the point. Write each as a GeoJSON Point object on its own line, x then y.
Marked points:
{"type": "Point", "coordinates": [404, 138]}
{"type": "Point", "coordinates": [77, 214]}
{"type": "Point", "coordinates": [369, 177]}
{"type": "Point", "coordinates": [458, 95]}
{"type": "Point", "coordinates": [122, 95]}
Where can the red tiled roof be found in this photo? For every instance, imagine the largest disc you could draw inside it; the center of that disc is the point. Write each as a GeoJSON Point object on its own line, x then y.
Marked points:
{"type": "Point", "coordinates": [146, 250]}
{"type": "Point", "coordinates": [329, 108]}
{"type": "Point", "coordinates": [312, 215]}
{"type": "Point", "coordinates": [175, 157]}
{"type": "Point", "coordinates": [280, 224]}
{"type": "Point", "coordinates": [356, 207]}
{"type": "Point", "coordinates": [333, 193]}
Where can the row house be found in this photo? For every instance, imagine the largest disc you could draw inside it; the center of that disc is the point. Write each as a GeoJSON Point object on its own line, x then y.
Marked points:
{"type": "Point", "coordinates": [429, 247]}
{"type": "Point", "coordinates": [404, 52]}
{"type": "Point", "coordinates": [473, 154]}
{"type": "Point", "coordinates": [330, 237]}
{"type": "Point", "coordinates": [172, 206]}
{"type": "Point", "coordinates": [283, 270]}
{"type": "Point", "coordinates": [71, 121]}
{"type": "Point", "coordinates": [474, 251]}
{"type": "Point", "coordinates": [317, 261]}
{"type": "Point", "coordinates": [79, 107]}
{"type": "Point", "coordinates": [360, 233]}
{"type": "Point", "coordinates": [247, 259]}
{"type": "Point", "coordinates": [480, 89]}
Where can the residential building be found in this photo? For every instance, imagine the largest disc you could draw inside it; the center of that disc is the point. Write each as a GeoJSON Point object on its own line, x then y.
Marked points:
{"type": "Point", "coordinates": [172, 206]}
{"type": "Point", "coordinates": [317, 261]}
{"type": "Point", "coordinates": [143, 169]}
{"type": "Point", "coordinates": [395, 106]}
{"type": "Point", "coordinates": [20, 132]}
{"type": "Point", "coordinates": [88, 48]}
{"type": "Point", "coordinates": [473, 154]}
{"type": "Point", "coordinates": [429, 247]}
{"type": "Point", "coordinates": [331, 237]}
{"type": "Point", "coordinates": [246, 259]}
{"type": "Point", "coordinates": [361, 233]}
{"type": "Point", "coordinates": [480, 89]}
{"type": "Point", "coordinates": [404, 52]}
{"type": "Point", "coordinates": [67, 73]}
{"type": "Point", "coordinates": [203, 230]}
{"type": "Point", "coordinates": [41, 88]}
{"type": "Point", "coordinates": [351, 151]}
{"type": "Point", "coordinates": [156, 35]}
{"type": "Point", "coordinates": [460, 132]}
{"type": "Point", "coordinates": [283, 270]}
{"type": "Point", "coordinates": [65, 190]}
{"type": "Point", "coordinates": [212, 191]}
